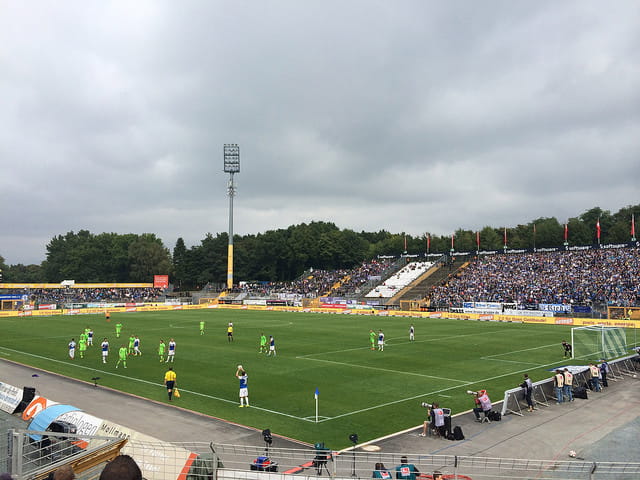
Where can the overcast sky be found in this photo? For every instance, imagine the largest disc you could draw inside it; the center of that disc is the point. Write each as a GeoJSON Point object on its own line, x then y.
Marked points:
{"type": "Point", "coordinates": [407, 116]}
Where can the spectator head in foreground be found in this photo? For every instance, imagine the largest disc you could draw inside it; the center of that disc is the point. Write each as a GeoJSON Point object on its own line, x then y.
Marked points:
{"type": "Point", "coordinates": [123, 467]}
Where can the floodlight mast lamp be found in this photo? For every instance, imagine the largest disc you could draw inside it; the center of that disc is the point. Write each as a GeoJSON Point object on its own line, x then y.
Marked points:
{"type": "Point", "coordinates": [231, 166]}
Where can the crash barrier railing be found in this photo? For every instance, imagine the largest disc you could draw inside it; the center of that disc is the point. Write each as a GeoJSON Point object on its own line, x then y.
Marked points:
{"type": "Point", "coordinates": [239, 463]}
{"type": "Point", "coordinates": [34, 454]}
{"type": "Point", "coordinates": [543, 391]}
{"type": "Point", "coordinates": [208, 461]}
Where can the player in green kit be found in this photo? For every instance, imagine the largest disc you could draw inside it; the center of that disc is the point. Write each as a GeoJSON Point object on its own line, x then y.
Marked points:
{"type": "Point", "coordinates": [82, 345]}
{"type": "Point", "coordinates": [372, 339]}
{"type": "Point", "coordinates": [161, 348]}
{"type": "Point", "coordinates": [118, 329]}
{"type": "Point", "coordinates": [201, 328]}
{"type": "Point", "coordinates": [122, 356]}
{"type": "Point", "coordinates": [263, 343]}
{"type": "Point", "coordinates": [132, 340]}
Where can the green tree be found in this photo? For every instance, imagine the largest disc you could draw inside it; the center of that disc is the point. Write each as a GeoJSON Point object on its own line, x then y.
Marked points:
{"type": "Point", "coordinates": [147, 257]}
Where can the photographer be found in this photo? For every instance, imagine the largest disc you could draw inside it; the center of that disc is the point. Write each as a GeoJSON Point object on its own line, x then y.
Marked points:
{"type": "Point", "coordinates": [436, 419]}
{"type": "Point", "coordinates": [483, 403]}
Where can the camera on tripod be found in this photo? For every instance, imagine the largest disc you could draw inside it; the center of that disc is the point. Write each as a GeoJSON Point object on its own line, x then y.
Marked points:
{"type": "Point", "coordinates": [263, 463]}
{"type": "Point", "coordinates": [323, 455]}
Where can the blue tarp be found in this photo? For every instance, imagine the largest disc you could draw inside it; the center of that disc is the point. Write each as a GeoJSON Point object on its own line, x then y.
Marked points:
{"type": "Point", "coordinates": [43, 419]}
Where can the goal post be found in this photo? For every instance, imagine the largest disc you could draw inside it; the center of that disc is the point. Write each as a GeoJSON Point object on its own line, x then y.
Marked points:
{"type": "Point", "coordinates": [598, 341]}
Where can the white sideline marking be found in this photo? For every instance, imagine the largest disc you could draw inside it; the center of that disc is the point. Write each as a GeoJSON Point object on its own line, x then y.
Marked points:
{"type": "Point", "coordinates": [106, 372]}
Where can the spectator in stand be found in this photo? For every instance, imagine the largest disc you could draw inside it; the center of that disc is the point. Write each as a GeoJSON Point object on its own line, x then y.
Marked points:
{"type": "Point", "coordinates": [123, 467]}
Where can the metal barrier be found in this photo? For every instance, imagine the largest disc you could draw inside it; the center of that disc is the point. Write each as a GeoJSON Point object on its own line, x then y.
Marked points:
{"type": "Point", "coordinates": [543, 390]}
{"type": "Point", "coordinates": [235, 462]}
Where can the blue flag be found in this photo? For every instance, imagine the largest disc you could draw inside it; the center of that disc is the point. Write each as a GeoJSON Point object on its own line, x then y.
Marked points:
{"type": "Point", "coordinates": [317, 393]}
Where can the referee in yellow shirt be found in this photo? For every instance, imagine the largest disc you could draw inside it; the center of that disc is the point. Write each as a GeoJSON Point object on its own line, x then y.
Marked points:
{"type": "Point", "coordinates": [170, 381]}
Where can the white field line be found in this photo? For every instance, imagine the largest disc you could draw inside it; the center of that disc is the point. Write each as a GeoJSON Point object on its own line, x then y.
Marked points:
{"type": "Point", "coordinates": [106, 372]}
{"type": "Point", "coordinates": [432, 339]}
{"type": "Point", "coordinates": [400, 372]}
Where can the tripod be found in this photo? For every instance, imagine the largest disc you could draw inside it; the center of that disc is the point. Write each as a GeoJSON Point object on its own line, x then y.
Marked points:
{"type": "Point", "coordinates": [319, 464]}
{"type": "Point", "coordinates": [353, 464]}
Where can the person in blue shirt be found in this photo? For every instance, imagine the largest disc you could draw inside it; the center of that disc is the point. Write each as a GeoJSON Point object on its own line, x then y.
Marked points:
{"type": "Point", "coordinates": [406, 470]}
{"type": "Point", "coordinates": [272, 346]}
{"type": "Point", "coordinates": [105, 350]}
{"type": "Point", "coordinates": [244, 390]}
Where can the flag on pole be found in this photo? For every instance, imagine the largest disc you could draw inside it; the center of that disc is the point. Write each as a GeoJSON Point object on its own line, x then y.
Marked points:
{"type": "Point", "coordinates": [405, 244]}
{"type": "Point", "coordinates": [505, 236]}
{"type": "Point", "coordinates": [633, 227]}
{"type": "Point", "coordinates": [566, 232]}
{"type": "Point", "coordinates": [598, 230]}
{"type": "Point", "coordinates": [478, 239]}
{"type": "Point", "coordinates": [452, 237]}
{"type": "Point", "coordinates": [428, 242]}
{"type": "Point", "coordinates": [317, 392]}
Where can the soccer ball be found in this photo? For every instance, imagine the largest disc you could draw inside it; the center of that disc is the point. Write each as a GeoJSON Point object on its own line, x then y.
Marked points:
{"type": "Point", "coordinates": [572, 453]}
{"type": "Point", "coordinates": [240, 367]}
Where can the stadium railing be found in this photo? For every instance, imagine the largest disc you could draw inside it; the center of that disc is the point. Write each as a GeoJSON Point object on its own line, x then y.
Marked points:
{"type": "Point", "coordinates": [36, 459]}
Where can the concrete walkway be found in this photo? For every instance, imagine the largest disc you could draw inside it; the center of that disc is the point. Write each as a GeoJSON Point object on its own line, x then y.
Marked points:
{"type": "Point", "coordinates": [603, 428]}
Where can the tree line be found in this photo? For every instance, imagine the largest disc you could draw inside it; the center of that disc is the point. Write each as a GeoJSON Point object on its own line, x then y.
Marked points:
{"type": "Point", "coordinates": [285, 254]}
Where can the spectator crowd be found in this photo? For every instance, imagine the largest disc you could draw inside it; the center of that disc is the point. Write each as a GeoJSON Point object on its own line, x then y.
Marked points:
{"type": "Point", "coordinates": [69, 295]}
{"type": "Point", "coordinates": [584, 277]}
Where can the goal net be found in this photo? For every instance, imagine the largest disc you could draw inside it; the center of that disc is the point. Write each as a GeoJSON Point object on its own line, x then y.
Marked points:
{"type": "Point", "coordinates": [598, 342]}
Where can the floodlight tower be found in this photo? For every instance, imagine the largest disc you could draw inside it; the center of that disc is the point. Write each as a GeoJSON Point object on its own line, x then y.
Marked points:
{"type": "Point", "coordinates": [231, 166]}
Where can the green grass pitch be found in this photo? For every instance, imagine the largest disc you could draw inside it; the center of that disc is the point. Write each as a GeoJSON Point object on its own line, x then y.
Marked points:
{"type": "Point", "coordinates": [371, 393]}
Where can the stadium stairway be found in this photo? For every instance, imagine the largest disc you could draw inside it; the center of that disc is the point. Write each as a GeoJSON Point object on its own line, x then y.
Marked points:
{"type": "Point", "coordinates": [420, 288]}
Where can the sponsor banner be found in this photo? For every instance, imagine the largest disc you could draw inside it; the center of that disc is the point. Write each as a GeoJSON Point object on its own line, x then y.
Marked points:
{"type": "Point", "coordinates": [581, 309]}
{"type": "Point", "coordinates": [10, 397]}
{"type": "Point", "coordinates": [161, 281]}
{"type": "Point", "coordinates": [85, 424]}
{"type": "Point", "coordinates": [156, 461]}
{"type": "Point", "coordinates": [36, 405]}
{"type": "Point", "coordinates": [610, 323]}
{"type": "Point", "coordinates": [564, 321]}
{"type": "Point", "coordinates": [47, 306]}
{"type": "Point", "coordinates": [11, 297]}
{"type": "Point", "coordinates": [529, 313]}
{"type": "Point", "coordinates": [485, 317]}
{"type": "Point", "coordinates": [482, 310]}
{"type": "Point", "coordinates": [333, 305]}
{"type": "Point", "coordinates": [554, 307]}
{"type": "Point", "coordinates": [261, 301]}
